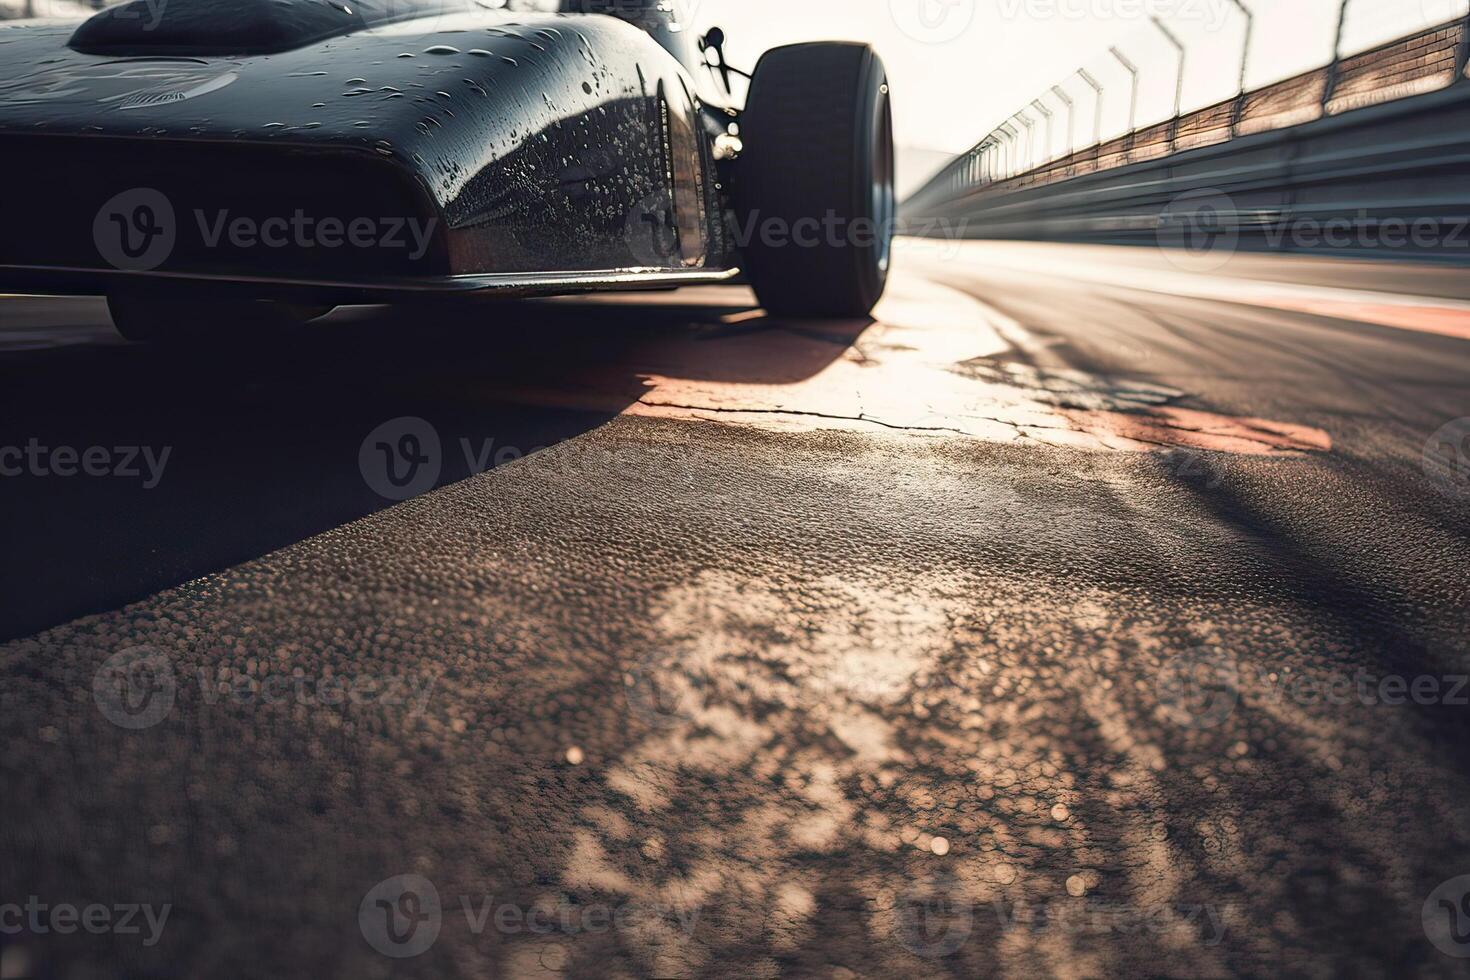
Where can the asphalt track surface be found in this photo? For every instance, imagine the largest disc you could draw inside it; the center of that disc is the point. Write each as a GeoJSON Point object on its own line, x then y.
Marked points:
{"type": "Point", "coordinates": [1085, 614]}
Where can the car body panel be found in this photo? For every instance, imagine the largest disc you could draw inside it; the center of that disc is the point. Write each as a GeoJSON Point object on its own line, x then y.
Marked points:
{"type": "Point", "coordinates": [568, 148]}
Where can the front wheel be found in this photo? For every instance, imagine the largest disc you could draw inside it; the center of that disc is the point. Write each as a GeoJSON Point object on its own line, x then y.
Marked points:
{"type": "Point", "coordinates": [814, 193]}
{"type": "Point", "coordinates": [183, 316]}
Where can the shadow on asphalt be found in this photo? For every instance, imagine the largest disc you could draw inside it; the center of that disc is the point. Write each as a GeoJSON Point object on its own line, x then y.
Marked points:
{"type": "Point", "coordinates": [263, 441]}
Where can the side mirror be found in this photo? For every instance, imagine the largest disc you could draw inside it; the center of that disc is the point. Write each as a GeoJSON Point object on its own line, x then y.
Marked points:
{"type": "Point", "coordinates": [714, 40]}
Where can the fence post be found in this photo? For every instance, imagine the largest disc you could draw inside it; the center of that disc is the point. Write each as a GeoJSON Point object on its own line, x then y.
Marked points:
{"type": "Point", "coordinates": [1133, 99]}
{"type": "Point", "coordinates": [1178, 80]}
{"type": "Point", "coordinates": [1008, 155]}
{"type": "Point", "coordinates": [1132, 70]}
{"type": "Point", "coordinates": [1066, 100]}
{"type": "Point", "coordinates": [1245, 56]}
{"type": "Point", "coordinates": [1046, 115]}
{"type": "Point", "coordinates": [1097, 104]}
{"type": "Point", "coordinates": [1330, 88]}
{"type": "Point", "coordinates": [1030, 156]}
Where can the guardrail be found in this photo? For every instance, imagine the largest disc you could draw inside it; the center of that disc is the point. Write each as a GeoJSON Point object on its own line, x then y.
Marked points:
{"type": "Point", "coordinates": [1009, 158]}
{"type": "Point", "coordinates": [1389, 180]}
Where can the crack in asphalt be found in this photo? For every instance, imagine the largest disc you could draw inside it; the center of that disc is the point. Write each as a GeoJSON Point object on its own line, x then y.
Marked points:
{"type": "Point", "coordinates": [1022, 430]}
{"type": "Point", "coordinates": [860, 417]}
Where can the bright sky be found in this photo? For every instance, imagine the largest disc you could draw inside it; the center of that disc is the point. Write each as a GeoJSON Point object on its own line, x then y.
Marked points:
{"type": "Point", "coordinates": [959, 67]}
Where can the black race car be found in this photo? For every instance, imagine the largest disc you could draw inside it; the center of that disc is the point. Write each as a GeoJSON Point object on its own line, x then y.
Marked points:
{"type": "Point", "coordinates": [214, 164]}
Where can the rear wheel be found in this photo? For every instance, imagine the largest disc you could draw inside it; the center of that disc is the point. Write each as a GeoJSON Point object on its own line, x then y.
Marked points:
{"type": "Point", "coordinates": [189, 316]}
{"type": "Point", "coordinates": [814, 189]}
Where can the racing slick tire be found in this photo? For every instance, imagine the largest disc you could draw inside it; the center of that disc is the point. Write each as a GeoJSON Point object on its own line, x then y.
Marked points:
{"type": "Point", "coordinates": [814, 193]}
{"type": "Point", "coordinates": [178, 316]}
